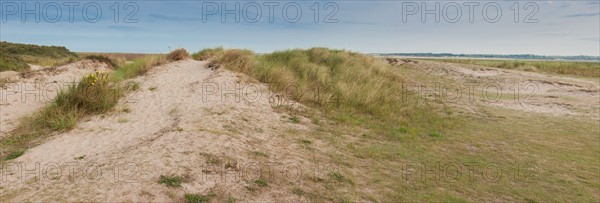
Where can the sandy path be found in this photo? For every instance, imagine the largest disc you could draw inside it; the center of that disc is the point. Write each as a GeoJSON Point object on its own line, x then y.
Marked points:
{"type": "Point", "coordinates": [185, 120]}
{"type": "Point", "coordinates": [28, 92]}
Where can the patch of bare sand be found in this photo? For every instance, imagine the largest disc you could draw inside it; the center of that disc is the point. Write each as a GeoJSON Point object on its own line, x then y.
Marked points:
{"type": "Point", "coordinates": [519, 90]}
{"type": "Point", "coordinates": [211, 127]}
{"type": "Point", "coordinates": [29, 91]}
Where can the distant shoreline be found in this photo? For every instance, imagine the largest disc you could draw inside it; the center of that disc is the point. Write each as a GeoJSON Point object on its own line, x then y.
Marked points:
{"type": "Point", "coordinates": [492, 57]}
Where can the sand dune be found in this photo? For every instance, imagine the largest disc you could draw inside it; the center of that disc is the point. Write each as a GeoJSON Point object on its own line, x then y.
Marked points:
{"type": "Point", "coordinates": [30, 91]}
{"type": "Point", "coordinates": [184, 116]}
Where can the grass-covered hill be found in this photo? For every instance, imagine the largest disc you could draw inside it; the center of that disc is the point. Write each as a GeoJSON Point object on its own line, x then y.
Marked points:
{"type": "Point", "coordinates": [15, 56]}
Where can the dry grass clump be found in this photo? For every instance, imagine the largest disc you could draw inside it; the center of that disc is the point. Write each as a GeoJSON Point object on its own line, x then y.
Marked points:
{"type": "Point", "coordinates": [102, 59]}
{"type": "Point", "coordinates": [178, 54]}
{"type": "Point", "coordinates": [207, 54]}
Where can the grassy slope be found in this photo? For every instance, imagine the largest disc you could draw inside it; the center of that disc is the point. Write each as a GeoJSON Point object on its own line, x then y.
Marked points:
{"type": "Point", "coordinates": [14, 55]}
{"type": "Point", "coordinates": [11, 63]}
{"type": "Point", "coordinates": [584, 69]}
{"type": "Point", "coordinates": [74, 103]}
{"type": "Point", "coordinates": [351, 87]}
{"type": "Point", "coordinates": [383, 145]}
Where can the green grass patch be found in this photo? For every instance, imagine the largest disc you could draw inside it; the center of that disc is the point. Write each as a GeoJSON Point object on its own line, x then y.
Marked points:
{"type": "Point", "coordinates": [171, 181]}
{"type": "Point", "coordinates": [261, 183]}
{"type": "Point", "coordinates": [14, 155]}
{"type": "Point", "coordinates": [195, 198]}
{"type": "Point", "coordinates": [11, 63]}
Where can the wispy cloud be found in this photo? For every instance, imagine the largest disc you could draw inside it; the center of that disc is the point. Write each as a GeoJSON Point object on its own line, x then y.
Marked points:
{"type": "Point", "coordinates": [173, 18]}
{"type": "Point", "coordinates": [583, 15]}
{"type": "Point", "coordinates": [596, 39]}
{"type": "Point", "coordinates": [124, 28]}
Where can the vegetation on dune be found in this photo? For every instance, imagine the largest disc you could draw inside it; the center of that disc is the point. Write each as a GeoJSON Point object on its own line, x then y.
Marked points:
{"type": "Point", "coordinates": [585, 69]}
{"type": "Point", "coordinates": [15, 53]}
{"type": "Point", "coordinates": [207, 54]}
{"type": "Point", "coordinates": [35, 50]}
{"type": "Point", "coordinates": [378, 128]}
{"type": "Point", "coordinates": [116, 56]}
{"type": "Point", "coordinates": [11, 63]}
{"type": "Point", "coordinates": [137, 67]}
{"type": "Point", "coordinates": [102, 59]}
{"type": "Point", "coordinates": [96, 93]}
{"type": "Point", "coordinates": [178, 54]}
{"type": "Point", "coordinates": [351, 87]}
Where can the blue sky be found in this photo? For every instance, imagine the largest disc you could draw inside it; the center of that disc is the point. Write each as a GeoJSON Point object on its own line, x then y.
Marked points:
{"type": "Point", "coordinates": [553, 28]}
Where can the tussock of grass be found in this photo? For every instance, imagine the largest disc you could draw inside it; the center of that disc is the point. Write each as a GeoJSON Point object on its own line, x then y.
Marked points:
{"type": "Point", "coordinates": [207, 54]}
{"type": "Point", "coordinates": [261, 182]}
{"type": "Point", "coordinates": [195, 198]}
{"type": "Point", "coordinates": [171, 181]}
{"type": "Point", "coordinates": [351, 87]}
{"type": "Point", "coordinates": [103, 59]}
{"type": "Point", "coordinates": [585, 69]}
{"type": "Point", "coordinates": [178, 54]}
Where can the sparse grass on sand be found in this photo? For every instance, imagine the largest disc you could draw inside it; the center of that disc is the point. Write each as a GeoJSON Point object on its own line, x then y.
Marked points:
{"type": "Point", "coordinates": [583, 69]}
{"type": "Point", "coordinates": [390, 148]}
{"type": "Point", "coordinates": [94, 94]}
{"type": "Point", "coordinates": [351, 87]}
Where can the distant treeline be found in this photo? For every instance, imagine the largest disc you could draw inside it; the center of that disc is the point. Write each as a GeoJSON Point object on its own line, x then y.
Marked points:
{"type": "Point", "coordinates": [497, 56]}
{"type": "Point", "coordinates": [15, 56]}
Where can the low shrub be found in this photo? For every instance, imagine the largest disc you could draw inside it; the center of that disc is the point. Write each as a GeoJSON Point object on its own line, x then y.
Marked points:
{"type": "Point", "coordinates": [102, 59]}
{"type": "Point", "coordinates": [178, 54]}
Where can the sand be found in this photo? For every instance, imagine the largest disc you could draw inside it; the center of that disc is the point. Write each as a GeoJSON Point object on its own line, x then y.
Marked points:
{"type": "Point", "coordinates": [219, 130]}
{"type": "Point", "coordinates": [26, 93]}
{"type": "Point", "coordinates": [183, 116]}
{"type": "Point", "coordinates": [554, 95]}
